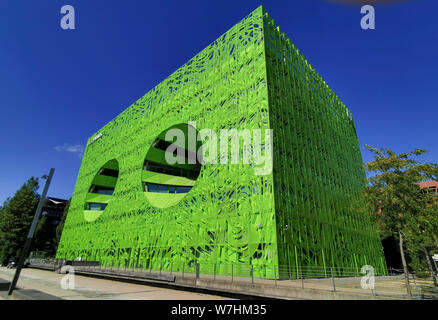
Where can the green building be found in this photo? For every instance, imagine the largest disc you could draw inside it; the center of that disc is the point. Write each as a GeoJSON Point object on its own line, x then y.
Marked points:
{"type": "Point", "coordinates": [131, 208]}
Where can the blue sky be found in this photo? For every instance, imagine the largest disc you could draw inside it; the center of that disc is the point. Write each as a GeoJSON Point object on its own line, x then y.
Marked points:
{"type": "Point", "coordinates": [58, 87]}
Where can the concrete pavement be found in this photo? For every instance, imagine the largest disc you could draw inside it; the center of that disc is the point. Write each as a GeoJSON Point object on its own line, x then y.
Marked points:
{"type": "Point", "coordinates": [87, 288]}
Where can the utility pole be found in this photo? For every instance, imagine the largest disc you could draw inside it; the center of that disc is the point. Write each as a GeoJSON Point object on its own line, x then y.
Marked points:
{"type": "Point", "coordinates": [31, 232]}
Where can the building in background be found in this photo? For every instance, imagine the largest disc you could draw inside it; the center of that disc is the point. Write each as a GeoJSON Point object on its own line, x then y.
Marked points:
{"type": "Point", "coordinates": [132, 208]}
{"type": "Point", "coordinates": [430, 187]}
{"type": "Point", "coordinates": [53, 209]}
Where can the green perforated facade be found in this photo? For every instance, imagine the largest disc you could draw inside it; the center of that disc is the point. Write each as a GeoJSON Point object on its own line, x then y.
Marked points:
{"type": "Point", "coordinates": [299, 215]}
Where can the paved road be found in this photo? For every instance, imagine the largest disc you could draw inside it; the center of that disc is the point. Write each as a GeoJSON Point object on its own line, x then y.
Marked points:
{"type": "Point", "coordinates": [87, 288]}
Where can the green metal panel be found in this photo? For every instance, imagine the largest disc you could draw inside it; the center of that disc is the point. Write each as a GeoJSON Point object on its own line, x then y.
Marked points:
{"type": "Point", "coordinates": [112, 164]}
{"type": "Point", "coordinates": [157, 155]}
{"type": "Point", "coordinates": [105, 181]}
{"type": "Point", "coordinates": [224, 86]}
{"type": "Point", "coordinates": [91, 215]}
{"type": "Point", "coordinates": [231, 215]}
{"type": "Point", "coordinates": [164, 200]}
{"type": "Point", "coordinates": [98, 198]}
{"type": "Point", "coordinates": [161, 178]}
{"type": "Point", "coordinates": [318, 168]}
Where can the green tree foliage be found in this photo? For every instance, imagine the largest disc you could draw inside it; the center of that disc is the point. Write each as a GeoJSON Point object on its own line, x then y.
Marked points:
{"type": "Point", "coordinates": [15, 219]}
{"type": "Point", "coordinates": [395, 199]}
{"type": "Point", "coordinates": [423, 236]}
{"type": "Point", "coordinates": [62, 222]}
{"type": "Point", "coordinates": [44, 240]}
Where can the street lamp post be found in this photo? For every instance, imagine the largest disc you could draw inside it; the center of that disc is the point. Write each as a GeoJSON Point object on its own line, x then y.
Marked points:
{"type": "Point", "coordinates": [31, 232]}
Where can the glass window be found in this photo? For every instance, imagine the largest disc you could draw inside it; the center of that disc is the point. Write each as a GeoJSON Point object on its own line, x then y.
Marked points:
{"type": "Point", "coordinates": [152, 187]}
{"type": "Point", "coordinates": [163, 188]}
{"type": "Point", "coordinates": [183, 189]}
{"type": "Point", "coordinates": [104, 191]}
{"type": "Point", "coordinates": [96, 206]}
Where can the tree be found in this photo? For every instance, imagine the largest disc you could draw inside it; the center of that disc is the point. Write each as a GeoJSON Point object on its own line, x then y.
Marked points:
{"type": "Point", "coordinates": [45, 237]}
{"type": "Point", "coordinates": [424, 236]}
{"type": "Point", "coordinates": [15, 219]}
{"type": "Point", "coordinates": [61, 223]}
{"type": "Point", "coordinates": [394, 198]}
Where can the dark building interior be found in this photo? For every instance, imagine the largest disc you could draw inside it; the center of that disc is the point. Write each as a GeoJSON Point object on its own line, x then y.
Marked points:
{"type": "Point", "coordinates": [54, 208]}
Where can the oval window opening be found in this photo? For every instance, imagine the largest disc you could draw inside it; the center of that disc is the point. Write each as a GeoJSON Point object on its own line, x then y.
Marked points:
{"type": "Point", "coordinates": [101, 191]}
{"type": "Point", "coordinates": [171, 166]}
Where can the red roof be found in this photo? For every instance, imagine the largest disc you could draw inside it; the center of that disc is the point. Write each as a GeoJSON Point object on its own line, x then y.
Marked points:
{"type": "Point", "coordinates": [428, 184]}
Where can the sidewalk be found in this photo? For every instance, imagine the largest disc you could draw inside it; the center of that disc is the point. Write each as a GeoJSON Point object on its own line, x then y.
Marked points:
{"type": "Point", "coordinates": [88, 288]}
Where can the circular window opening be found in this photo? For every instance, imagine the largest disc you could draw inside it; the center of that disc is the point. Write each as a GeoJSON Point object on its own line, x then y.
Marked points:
{"type": "Point", "coordinates": [101, 190]}
{"type": "Point", "coordinates": [171, 166]}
